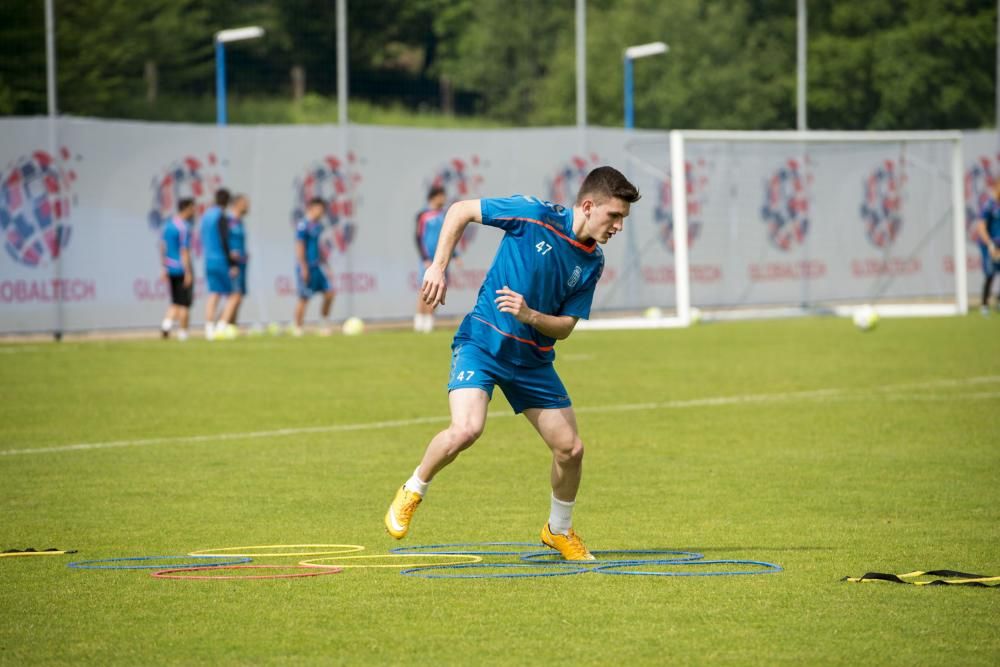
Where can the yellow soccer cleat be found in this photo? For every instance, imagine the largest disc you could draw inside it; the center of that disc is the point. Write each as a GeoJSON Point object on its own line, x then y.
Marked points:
{"type": "Point", "coordinates": [570, 546]}
{"type": "Point", "coordinates": [397, 519]}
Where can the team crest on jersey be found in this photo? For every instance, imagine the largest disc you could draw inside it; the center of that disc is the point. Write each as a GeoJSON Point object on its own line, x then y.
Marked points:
{"type": "Point", "coordinates": [575, 278]}
{"type": "Point", "coordinates": [786, 205]}
{"type": "Point", "coordinates": [569, 177]}
{"type": "Point", "coordinates": [663, 215]}
{"type": "Point", "coordinates": [36, 202]}
{"type": "Point", "coordinates": [881, 207]}
{"type": "Point", "coordinates": [335, 180]}
{"type": "Point", "coordinates": [979, 179]}
{"type": "Point", "coordinates": [461, 179]}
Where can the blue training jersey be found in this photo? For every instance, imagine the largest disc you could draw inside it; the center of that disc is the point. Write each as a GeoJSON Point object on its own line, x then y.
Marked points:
{"type": "Point", "coordinates": [237, 240]}
{"type": "Point", "coordinates": [429, 224]}
{"type": "Point", "coordinates": [211, 238]}
{"type": "Point", "coordinates": [176, 237]}
{"type": "Point", "coordinates": [991, 215]}
{"type": "Point", "coordinates": [309, 233]}
{"type": "Point", "coordinates": [539, 258]}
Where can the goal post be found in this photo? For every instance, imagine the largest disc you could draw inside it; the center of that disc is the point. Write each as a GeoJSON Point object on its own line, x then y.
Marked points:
{"type": "Point", "coordinates": [886, 208]}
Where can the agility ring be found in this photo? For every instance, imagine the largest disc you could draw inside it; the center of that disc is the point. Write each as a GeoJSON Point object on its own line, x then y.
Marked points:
{"type": "Point", "coordinates": [182, 573]}
{"type": "Point", "coordinates": [466, 549]}
{"type": "Point", "coordinates": [552, 570]}
{"type": "Point", "coordinates": [619, 568]}
{"type": "Point", "coordinates": [549, 556]}
{"type": "Point", "coordinates": [470, 558]}
{"type": "Point", "coordinates": [93, 564]}
{"type": "Point", "coordinates": [227, 551]}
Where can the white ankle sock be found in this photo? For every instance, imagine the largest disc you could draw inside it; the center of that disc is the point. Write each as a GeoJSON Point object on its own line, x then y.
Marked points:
{"type": "Point", "coordinates": [182, 334]}
{"type": "Point", "coordinates": [561, 516]}
{"type": "Point", "coordinates": [167, 324]}
{"type": "Point", "coordinates": [418, 323]}
{"type": "Point", "coordinates": [417, 484]}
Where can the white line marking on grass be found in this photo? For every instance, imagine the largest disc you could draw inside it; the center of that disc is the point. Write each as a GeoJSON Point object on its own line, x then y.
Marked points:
{"type": "Point", "coordinates": [714, 401]}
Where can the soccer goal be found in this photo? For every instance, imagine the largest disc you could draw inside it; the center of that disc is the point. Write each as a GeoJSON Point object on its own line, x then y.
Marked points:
{"type": "Point", "coordinates": [770, 224]}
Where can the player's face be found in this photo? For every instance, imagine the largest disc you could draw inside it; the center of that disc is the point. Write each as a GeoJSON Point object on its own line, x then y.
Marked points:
{"type": "Point", "coordinates": [605, 218]}
{"type": "Point", "coordinates": [437, 201]}
{"type": "Point", "coordinates": [314, 212]}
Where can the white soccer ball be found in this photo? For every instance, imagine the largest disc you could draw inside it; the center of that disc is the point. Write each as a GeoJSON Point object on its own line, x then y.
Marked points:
{"type": "Point", "coordinates": [653, 313]}
{"type": "Point", "coordinates": [695, 315]}
{"type": "Point", "coordinates": [353, 326]}
{"type": "Point", "coordinates": [865, 318]}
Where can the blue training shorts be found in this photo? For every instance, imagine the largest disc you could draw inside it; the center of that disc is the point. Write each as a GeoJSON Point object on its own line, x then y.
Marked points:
{"type": "Point", "coordinates": [240, 281]}
{"type": "Point", "coordinates": [219, 280]}
{"type": "Point", "coordinates": [538, 387]}
{"type": "Point", "coordinates": [317, 283]}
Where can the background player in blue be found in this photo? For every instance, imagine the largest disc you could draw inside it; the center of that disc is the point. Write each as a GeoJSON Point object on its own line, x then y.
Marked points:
{"type": "Point", "coordinates": [175, 255]}
{"type": "Point", "coordinates": [220, 269]}
{"type": "Point", "coordinates": [988, 231]}
{"type": "Point", "coordinates": [237, 211]}
{"type": "Point", "coordinates": [541, 282]}
{"type": "Point", "coordinates": [310, 266]}
{"type": "Point", "coordinates": [429, 221]}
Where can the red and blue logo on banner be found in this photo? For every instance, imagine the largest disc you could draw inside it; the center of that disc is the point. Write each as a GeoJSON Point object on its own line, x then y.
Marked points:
{"type": "Point", "coordinates": [881, 208]}
{"type": "Point", "coordinates": [786, 206]}
{"type": "Point", "coordinates": [697, 186]}
{"type": "Point", "coordinates": [336, 181]}
{"type": "Point", "coordinates": [460, 179]}
{"type": "Point", "coordinates": [569, 177]}
{"type": "Point", "coordinates": [186, 178]}
{"type": "Point", "coordinates": [36, 200]}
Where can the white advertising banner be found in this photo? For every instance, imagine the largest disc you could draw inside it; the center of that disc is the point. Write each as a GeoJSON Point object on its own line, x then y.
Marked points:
{"type": "Point", "coordinates": [81, 214]}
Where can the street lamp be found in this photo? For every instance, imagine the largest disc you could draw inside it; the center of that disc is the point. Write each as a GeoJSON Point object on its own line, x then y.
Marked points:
{"type": "Point", "coordinates": [221, 38]}
{"type": "Point", "coordinates": [632, 53]}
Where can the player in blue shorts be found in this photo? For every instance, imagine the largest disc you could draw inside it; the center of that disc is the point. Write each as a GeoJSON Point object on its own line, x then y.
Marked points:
{"type": "Point", "coordinates": [988, 231]}
{"type": "Point", "coordinates": [310, 266]}
{"type": "Point", "coordinates": [175, 254]}
{"type": "Point", "coordinates": [429, 221]}
{"type": "Point", "coordinates": [235, 214]}
{"type": "Point", "coordinates": [541, 282]}
{"type": "Point", "coordinates": [220, 269]}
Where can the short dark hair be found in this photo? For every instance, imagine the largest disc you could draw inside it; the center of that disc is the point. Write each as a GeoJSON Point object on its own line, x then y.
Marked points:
{"type": "Point", "coordinates": [184, 203]}
{"type": "Point", "coordinates": [317, 201]}
{"type": "Point", "coordinates": [608, 182]}
{"type": "Point", "coordinates": [435, 191]}
{"type": "Point", "coordinates": [222, 197]}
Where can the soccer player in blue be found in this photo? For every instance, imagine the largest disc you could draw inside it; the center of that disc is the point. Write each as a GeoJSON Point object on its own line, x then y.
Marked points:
{"type": "Point", "coordinates": [988, 231]}
{"type": "Point", "coordinates": [429, 222]}
{"type": "Point", "coordinates": [238, 210]}
{"type": "Point", "coordinates": [310, 266]}
{"type": "Point", "coordinates": [220, 269]}
{"type": "Point", "coordinates": [175, 255]}
{"type": "Point", "coordinates": [541, 282]}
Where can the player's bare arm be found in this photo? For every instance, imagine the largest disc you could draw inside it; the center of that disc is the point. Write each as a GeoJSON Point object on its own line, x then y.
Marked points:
{"type": "Point", "coordinates": [458, 217]}
{"type": "Point", "coordinates": [186, 261]}
{"type": "Point", "coordinates": [553, 326]}
{"type": "Point", "coordinates": [300, 257]}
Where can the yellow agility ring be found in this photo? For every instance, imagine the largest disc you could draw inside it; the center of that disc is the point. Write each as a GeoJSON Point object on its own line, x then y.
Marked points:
{"type": "Point", "coordinates": [254, 552]}
{"type": "Point", "coordinates": [466, 558]}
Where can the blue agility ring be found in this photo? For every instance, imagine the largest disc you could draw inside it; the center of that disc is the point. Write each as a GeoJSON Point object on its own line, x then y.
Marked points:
{"type": "Point", "coordinates": [615, 568]}
{"type": "Point", "coordinates": [465, 549]}
{"type": "Point", "coordinates": [545, 557]}
{"type": "Point", "coordinates": [554, 570]}
{"type": "Point", "coordinates": [91, 564]}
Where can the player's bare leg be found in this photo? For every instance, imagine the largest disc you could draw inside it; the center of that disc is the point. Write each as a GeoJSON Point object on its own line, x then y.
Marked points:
{"type": "Point", "coordinates": [211, 305]}
{"type": "Point", "coordinates": [325, 328]}
{"type": "Point", "coordinates": [558, 429]}
{"type": "Point", "coordinates": [468, 419]}
{"type": "Point", "coordinates": [229, 310]}
{"type": "Point", "coordinates": [183, 314]}
{"type": "Point", "coordinates": [300, 315]}
{"type": "Point", "coordinates": [169, 319]}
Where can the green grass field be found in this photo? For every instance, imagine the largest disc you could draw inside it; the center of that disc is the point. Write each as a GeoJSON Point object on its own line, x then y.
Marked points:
{"type": "Point", "coordinates": [804, 443]}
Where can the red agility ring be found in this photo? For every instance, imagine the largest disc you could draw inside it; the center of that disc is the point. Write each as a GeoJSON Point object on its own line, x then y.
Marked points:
{"type": "Point", "coordinates": [176, 573]}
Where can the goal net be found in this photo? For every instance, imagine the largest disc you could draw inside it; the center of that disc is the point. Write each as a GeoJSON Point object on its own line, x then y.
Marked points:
{"type": "Point", "coordinates": [787, 223]}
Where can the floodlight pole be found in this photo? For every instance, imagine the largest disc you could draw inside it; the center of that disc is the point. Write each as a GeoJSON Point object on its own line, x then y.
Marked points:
{"type": "Point", "coordinates": [581, 73]}
{"type": "Point", "coordinates": [800, 116]}
{"type": "Point", "coordinates": [221, 37]}
{"type": "Point", "coordinates": [634, 53]}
